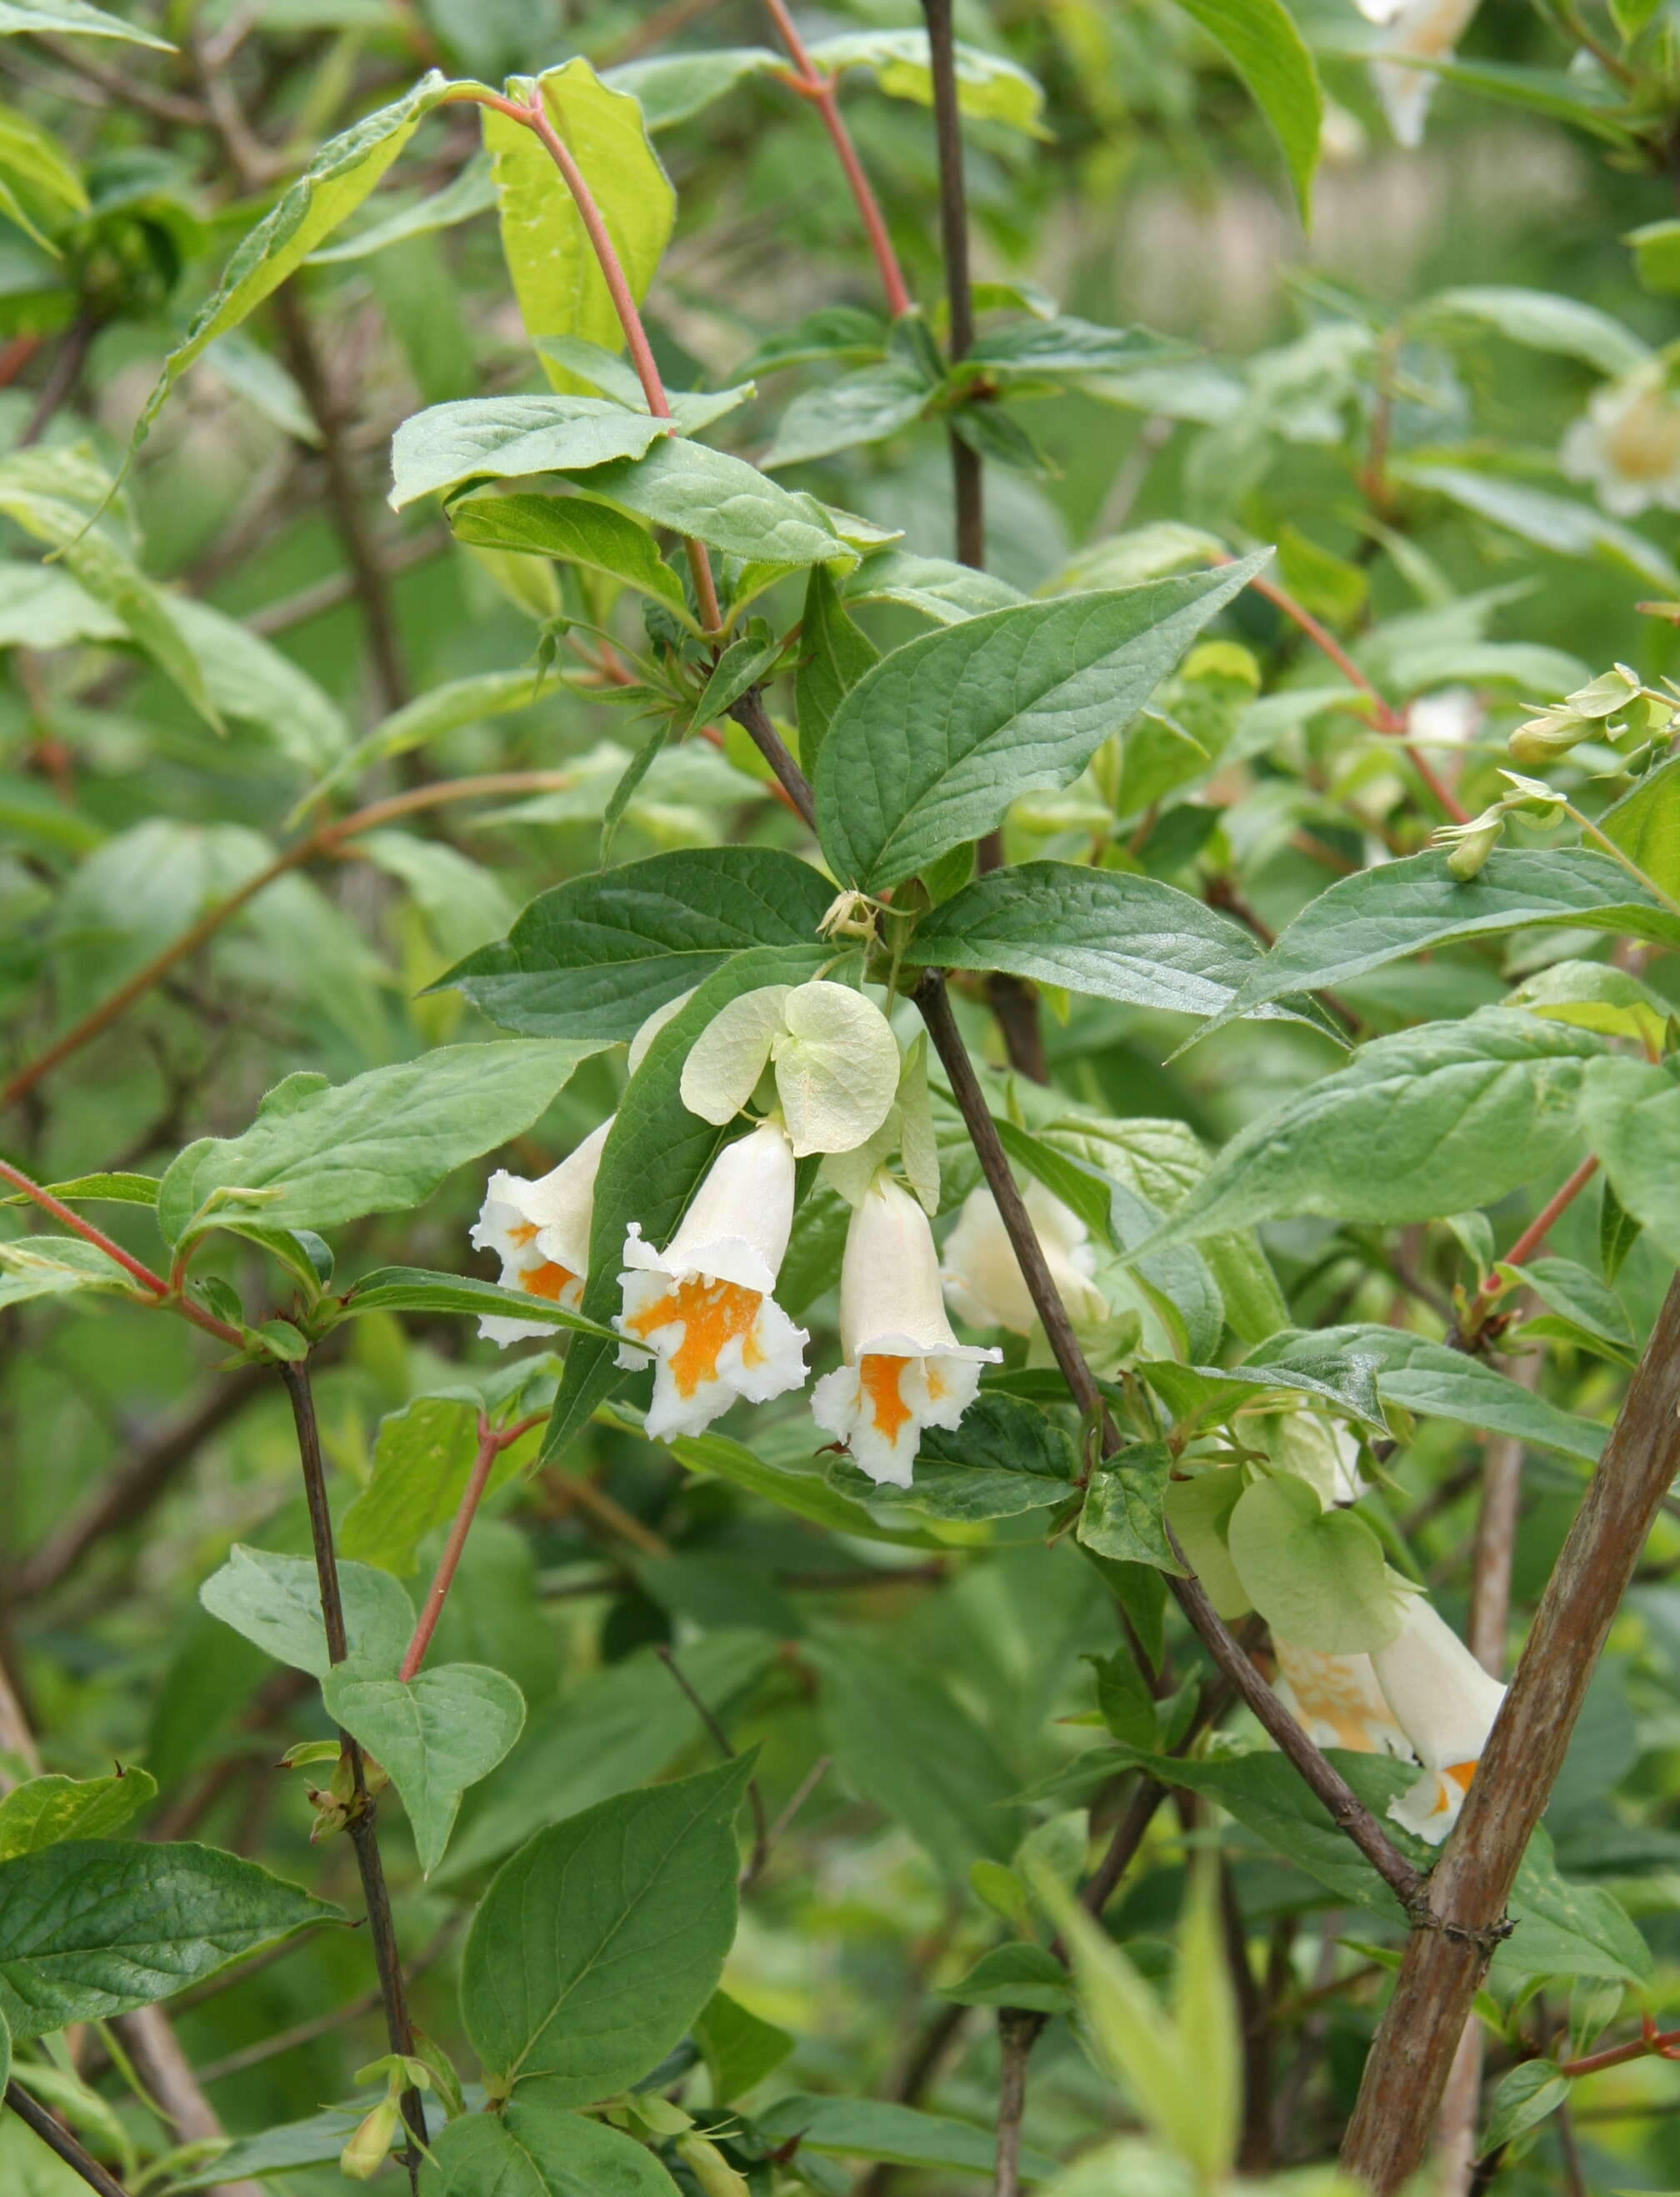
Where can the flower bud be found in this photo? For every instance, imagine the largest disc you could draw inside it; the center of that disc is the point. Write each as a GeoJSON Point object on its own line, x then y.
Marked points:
{"type": "Point", "coordinates": [709, 2168]}
{"type": "Point", "coordinates": [1471, 843]}
{"type": "Point", "coordinates": [362, 2157]}
{"type": "Point", "coordinates": [1544, 739]}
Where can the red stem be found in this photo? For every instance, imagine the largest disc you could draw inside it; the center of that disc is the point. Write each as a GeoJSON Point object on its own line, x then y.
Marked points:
{"type": "Point", "coordinates": [1655, 2043]}
{"type": "Point", "coordinates": [153, 1284]}
{"type": "Point", "coordinates": [1386, 719]}
{"type": "Point", "coordinates": [491, 1442]}
{"type": "Point", "coordinates": [811, 84]}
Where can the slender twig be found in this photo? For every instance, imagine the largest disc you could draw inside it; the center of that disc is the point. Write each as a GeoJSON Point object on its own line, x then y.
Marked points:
{"type": "Point", "coordinates": [323, 595]}
{"type": "Point", "coordinates": [967, 477]}
{"type": "Point", "coordinates": [1015, 2032]}
{"type": "Point", "coordinates": [62, 375]}
{"type": "Point", "coordinates": [491, 1443]}
{"type": "Point", "coordinates": [1443, 1966]}
{"type": "Point", "coordinates": [1651, 2043]}
{"type": "Point", "coordinates": [361, 1824]}
{"type": "Point", "coordinates": [722, 1741]}
{"type": "Point", "coordinates": [801, 1793]}
{"type": "Point", "coordinates": [811, 84]}
{"type": "Point", "coordinates": [325, 839]}
{"type": "Point", "coordinates": [58, 2138]}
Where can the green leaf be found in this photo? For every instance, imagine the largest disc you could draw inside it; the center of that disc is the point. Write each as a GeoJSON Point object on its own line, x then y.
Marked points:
{"type": "Point", "coordinates": [1015, 1975]}
{"type": "Point", "coordinates": [616, 1728]}
{"type": "Point", "coordinates": [1104, 932]}
{"type": "Point", "coordinates": [1063, 348]}
{"type": "Point", "coordinates": [989, 89]}
{"type": "Point", "coordinates": [1585, 1308]}
{"type": "Point", "coordinates": [1271, 57]}
{"type": "Point", "coordinates": [1286, 1363]}
{"type": "Point", "coordinates": [1567, 1929]}
{"type": "Point", "coordinates": [600, 1941]}
{"type": "Point", "coordinates": [834, 655]}
{"type": "Point", "coordinates": [53, 1265]}
{"type": "Point", "coordinates": [1594, 995]}
{"type": "Point", "coordinates": [472, 191]}
{"type": "Point", "coordinates": [275, 1600]}
{"type": "Point", "coordinates": [716, 1457]}
{"type": "Point", "coordinates": [1525, 2097]}
{"type": "Point", "coordinates": [864, 407]}
{"type": "Point", "coordinates": [932, 746]}
{"type": "Point", "coordinates": [720, 501]}
{"type": "Point", "coordinates": [412, 1289]}
{"type": "Point", "coordinates": [1456, 1115]}
{"type": "Point", "coordinates": [899, 2135]}
{"type": "Point", "coordinates": [1121, 1518]}
{"type": "Point", "coordinates": [43, 1810]}
{"type": "Point", "coordinates": [673, 87]}
{"type": "Point", "coordinates": [1435, 1382]}
{"type": "Point", "coordinates": [335, 183]}
{"type": "Point", "coordinates": [1123, 1698]}
{"type": "Point", "coordinates": [1416, 905]}
{"type": "Point", "coordinates": [908, 1745]}
{"type": "Point", "coordinates": [1316, 1576]}
{"type": "Point", "coordinates": [938, 590]}
{"type": "Point", "coordinates": [446, 708]}
{"type": "Point", "coordinates": [251, 682]}
{"type": "Point", "coordinates": [318, 1155]}
{"type": "Point", "coordinates": [575, 532]}
{"type": "Point", "coordinates": [423, 1457]}
{"type": "Point", "coordinates": [532, 2147]}
{"type": "Point", "coordinates": [595, 956]}
{"type": "Point", "coordinates": [739, 2049]}
{"type": "Point", "coordinates": [1005, 1459]}
{"type": "Point", "coordinates": [1656, 255]}
{"type": "Point", "coordinates": [1538, 319]}
{"type": "Point", "coordinates": [66, 15]}
{"type": "Point", "coordinates": [1630, 1111]}
{"type": "Point", "coordinates": [93, 1927]}
{"type": "Point", "coordinates": [1199, 1512]}
{"type": "Point", "coordinates": [1553, 523]}
{"type": "Point", "coordinates": [1645, 824]}
{"type": "Point", "coordinates": [557, 277]}
{"type": "Point", "coordinates": [436, 1734]}
{"type": "Point", "coordinates": [503, 437]}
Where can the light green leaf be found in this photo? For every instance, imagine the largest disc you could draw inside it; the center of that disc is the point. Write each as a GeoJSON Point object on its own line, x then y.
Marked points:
{"type": "Point", "coordinates": [93, 1927]}
{"type": "Point", "coordinates": [59, 16]}
{"type": "Point", "coordinates": [1426, 1122]}
{"type": "Point", "coordinates": [864, 407]}
{"type": "Point", "coordinates": [1062, 347]}
{"type": "Point", "coordinates": [834, 655]}
{"type": "Point", "coordinates": [720, 501]}
{"type": "Point", "coordinates": [1645, 824]}
{"type": "Point", "coordinates": [557, 277]}
{"type": "Point", "coordinates": [1656, 255]}
{"type": "Point", "coordinates": [335, 183]}
{"type": "Point", "coordinates": [1596, 995]}
{"type": "Point", "coordinates": [275, 1602]}
{"type": "Point", "coordinates": [1583, 1304]}
{"type": "Point", "coordinates": [932, 746]}
{"type": "Point", "coordinates": [1427, 1378]}
{"type": "Point", "coordinates": [318, 1155]}
{"type": "Point", "coordinates": [1316, 1576]}
{"type": "Point", "coordinates": [595, 956]}
{"type": "Point", "coordinates": [430, 716]}
{"type": "Point", "coordinates": [574, 532]}
{"type": "Point", "coordinates": [1529, 2095]}
{"type": "Point", "coordinates": [472, 192]}
{"type": "Point", "coordinates": [52, 1266]}
{"type": "Point", "coordinates": [438, 1733]}
{"type": "Point", "coordinates": [1538, 319]}
{"type": "Point", "coordinates": [532, 2147]}
{"type": "Point", "coordinates": [1269, 53]}
{"type": "Point", "coordinates": [251, 682]}
{"type": "Point", "coordinates": [258, 378]}
{"type": "Point", "coordinates": [1630, 1111]}
{"type": "Point", "coordinates": [601, 1940]}
{"type": "Point", "coordinates": [1198, 1510]}
{"type": "Point", "coordinates": [738, 2048]}
{"type": "Point", "coordinates": [837, 1065]}
{"type": "Point", "coordinates": [673, 88]}
{"type": "Point", "coordinates": [503, 437]}
{"type": "Point", "coordinates": [725, 1061]}
{"type": "Point", "coordinates": [1104, 932]}
{"type": "Point", "coordinates": [989, 89]}
{"type": "Point", "coordinates": [422, 1457]}
{"type": "Point", "coordinates": [43, 1810]}
{"type": "Point", "coordinates": [1416, 905]}
{"type": "Point", "coordinates": [933, 586]}
{"type": "Point", "coordinates": [1555, 523]}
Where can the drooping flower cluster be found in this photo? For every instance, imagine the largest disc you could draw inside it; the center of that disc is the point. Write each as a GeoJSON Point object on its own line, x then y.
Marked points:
{"type": "Point", "coordinates": [816, 1070]}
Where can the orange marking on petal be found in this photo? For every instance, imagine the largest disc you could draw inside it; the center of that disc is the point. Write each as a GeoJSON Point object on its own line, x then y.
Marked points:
{"type": "Point", "coordinates": [522, 1232]}
{"type": "Point", "coordinates": [936, 1388]}
{"type": "Point", "coordinates": [711, 1315]}
{"type": "Point", "coordinates": [878, 1378]}
{"type": "Point", "coordinates": [546, 1280]}
{"type": "Point", "coordinates": [1461, 1773]}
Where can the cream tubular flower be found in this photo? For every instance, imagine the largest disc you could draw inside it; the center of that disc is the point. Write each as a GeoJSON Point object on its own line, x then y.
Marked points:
{"type": "Point", "coordinates": [1446, 1703]}
{"type": "Point", "coordinates": [539, 1230]}
{"type": "Point", "coordinates": [905, 1369]}
{"type": "Point", "coordinates": [1416, 30]}
{"type": "Point", "coordinates": [1337, 1701]}
{"type": "Point", "coordinates": [1626, 445]}
{"type": "Point", "coordinates": [702, 1305]}
{"type": "Point", "coordinates": [983, 1276]}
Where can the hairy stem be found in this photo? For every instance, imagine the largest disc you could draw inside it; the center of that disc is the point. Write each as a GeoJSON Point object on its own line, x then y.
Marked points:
{"type": "Point", "coordinates": [1409, 2062]}
{"type": "Point", "coordinates": [361, 1826]}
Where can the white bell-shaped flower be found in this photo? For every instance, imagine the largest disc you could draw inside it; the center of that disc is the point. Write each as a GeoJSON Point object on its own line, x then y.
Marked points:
{"type": "Point", "coordinates": [905, 1369]}
{"type": "Point", "coordinates": [1337, 1700]}
{"type": "Point", "coordinates": [539, 1230]}
{"type": "Point", "coordinates": [1626, 445]}
{"type": "Point", "coordinates": [1446, 1703]}
{"type": "Point", "coordinates": [1415, 30]}
{"type": "Point", "coordinates": [702, 1305]}
{"type": "Point", "coordinates": [983, 1276]}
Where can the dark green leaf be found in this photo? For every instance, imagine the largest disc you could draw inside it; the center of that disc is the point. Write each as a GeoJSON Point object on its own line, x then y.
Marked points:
{"type": "Point", "coordinates": [1122, 1517]}
{"type": "Point", "coordinates": [1004, 1459]}
{"type": "Point", "coordinates": [534, 2147]}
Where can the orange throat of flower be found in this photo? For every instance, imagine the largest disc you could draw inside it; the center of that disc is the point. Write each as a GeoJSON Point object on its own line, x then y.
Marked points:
{"type": "Point", "coordinates": [1454, 1773]}
{"type": "Point", "coordinates": [711, 1315]}
{"type": "Point", "coordinates": [879, 1379]}
{"type": "Point", "coordinates": [548, 1280]}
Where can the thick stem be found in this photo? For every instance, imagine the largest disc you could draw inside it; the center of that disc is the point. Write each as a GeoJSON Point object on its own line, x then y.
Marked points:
{"type": "Point", "coordinates": [820, 90]}
{"type": "Point", "coordinates": [58, 2138]}
{"type": "Point", "coordinates": [362, 1827]}
{"type": "Point", "coordinates": [490, 1446]}
{"type": "Point", "coordinates": [1017, 2031]}
{"type": "Point", "coordinates": [751, 714]}
{"type": "Point", "coordinates": [1413, 2051]}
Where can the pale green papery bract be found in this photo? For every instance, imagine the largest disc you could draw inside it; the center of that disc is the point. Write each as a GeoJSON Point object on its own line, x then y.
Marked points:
{"type": "Point", "coordinates": [835, 1061]}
